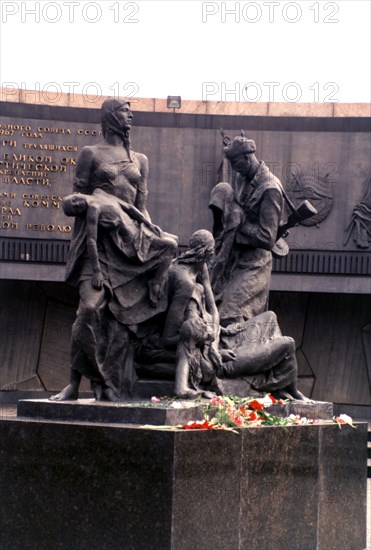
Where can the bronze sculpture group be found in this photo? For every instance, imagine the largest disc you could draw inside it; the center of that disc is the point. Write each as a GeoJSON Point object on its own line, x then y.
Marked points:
{"type": "Point", "coordinates": [198, 317]}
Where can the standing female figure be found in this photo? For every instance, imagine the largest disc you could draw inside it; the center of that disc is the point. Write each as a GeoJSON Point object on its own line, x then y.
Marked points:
{"type": "Point", "coordinates": [114, 292]}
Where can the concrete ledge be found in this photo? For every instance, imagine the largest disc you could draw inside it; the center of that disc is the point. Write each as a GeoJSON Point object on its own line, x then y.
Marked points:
{"type": "Point", "coordinates": [144, 412]}
{"type": "Point", "coordinates": [158, 105]}
{"type": "Point", "coordinates": [89, 410]}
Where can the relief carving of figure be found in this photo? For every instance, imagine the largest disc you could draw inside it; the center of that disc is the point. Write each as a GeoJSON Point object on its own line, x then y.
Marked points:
{"type": "Point", "coordinates": [360, 224]}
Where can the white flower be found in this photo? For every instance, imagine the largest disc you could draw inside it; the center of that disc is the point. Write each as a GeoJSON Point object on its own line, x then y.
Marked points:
{"type": "Point", "coordinates": [155, 399]}
{"type": "Point", "coordinates": [344, 419]}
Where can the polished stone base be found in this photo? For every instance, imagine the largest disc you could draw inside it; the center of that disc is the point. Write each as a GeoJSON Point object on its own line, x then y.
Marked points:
{"type": "Point", "coordinates": [321, 410]}
{"type": "Point", "coordinates": [130, 412]}
{"type": "Point", "coordinates": [318, 410]}
{"type": "Point", "coordinates": [107, 487]}
{"type": "Point", "coordinates": [165, 413]}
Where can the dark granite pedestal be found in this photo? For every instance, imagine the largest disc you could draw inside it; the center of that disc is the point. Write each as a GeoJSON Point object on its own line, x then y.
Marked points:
{"type": "Point", "coordinates": [108, 486]}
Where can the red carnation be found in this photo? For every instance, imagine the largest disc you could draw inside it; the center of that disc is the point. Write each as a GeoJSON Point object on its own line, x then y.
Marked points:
{"type": "Point", "coordinates": [198, 425]}
{"type": "Point", "coordinates": [255, 405]}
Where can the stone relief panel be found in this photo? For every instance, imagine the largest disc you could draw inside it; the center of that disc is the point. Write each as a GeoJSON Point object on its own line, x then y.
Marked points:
{"type": "Point", "coordinates": [317, 189]}
{"type": "Point", "coordinates": [359, 227]}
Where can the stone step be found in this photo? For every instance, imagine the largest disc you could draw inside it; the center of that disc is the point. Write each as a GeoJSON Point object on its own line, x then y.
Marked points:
{"type": "Point", "coordinates": [319, 410]}
{"type": "Point", "coordinates": [130, 412]}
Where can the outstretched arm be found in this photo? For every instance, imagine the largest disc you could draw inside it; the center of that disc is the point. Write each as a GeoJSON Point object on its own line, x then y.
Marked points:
{"type": "Point", "coordinates": [139, 216]}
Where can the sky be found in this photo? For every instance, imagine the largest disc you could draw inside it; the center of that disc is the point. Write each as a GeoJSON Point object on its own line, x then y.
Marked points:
{"type": "Point", "coordinates": [303, 51]}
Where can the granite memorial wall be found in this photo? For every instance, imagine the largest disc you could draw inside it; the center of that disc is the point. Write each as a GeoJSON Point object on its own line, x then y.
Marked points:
{"type": "Point", "coordinates": [321, 290]}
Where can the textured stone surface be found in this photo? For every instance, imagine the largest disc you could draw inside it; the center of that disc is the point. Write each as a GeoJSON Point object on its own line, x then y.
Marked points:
{"type": "Point", "coordinates": [352, 109]}
{"type": "Point", "coordinates": [280, 489]}
{"type": "Point", "coordinates": [245, 108]}
{"type": "Point", "coordinates": [321, 410]}
{"type": "Point", "coordinates": [41, 98]}
{"type": "Point", "coordinates": [241, 388]}
{"type": "Point", "coordinates": [157, 388]}
{"type": "Point", "coordinates": [102, 487]}
{"type": "Point", "coordinates": [21, 327]}
{"type": "Point", "coordinates": [162, 414]}
{"type": "Point", "coordinates": [207, 466]}
{"type": "Point", "coordinates": [86, 101]}
{"type": "Point", "coordinates": [343, 479]}
{"type": "Point", "coordinates": [84, 487]}
{"type": "Point", "coordinates": [89, 410]}
{"type": "Point", "coordinates": [301, 109]}
{"type": "Point", "coordinates": [54, 355]}
{"type": "Point", "coordinates": [332, 341]}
